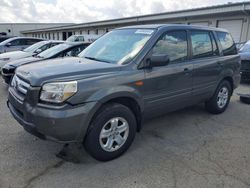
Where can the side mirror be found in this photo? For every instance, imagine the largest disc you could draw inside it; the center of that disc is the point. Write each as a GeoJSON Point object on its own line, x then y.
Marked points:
{"type": "Point", "coordinates": [157, 61]}
{"type": "Point", "coordinates": [8, 44]}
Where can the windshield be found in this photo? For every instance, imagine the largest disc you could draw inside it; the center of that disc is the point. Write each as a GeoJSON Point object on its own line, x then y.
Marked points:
{"type": "Point", "coordinates": [118, 46]}
{"type": "Point", "coordinates": [245, 48]}
{"type": "Point", "coordinates": [54, 50]}
{"type": "Point", "coordinates": [34, 47]}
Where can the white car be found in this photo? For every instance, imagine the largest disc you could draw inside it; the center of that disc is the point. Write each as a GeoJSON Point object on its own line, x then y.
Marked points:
{"type": "Point", "coordinates": [27, 52]}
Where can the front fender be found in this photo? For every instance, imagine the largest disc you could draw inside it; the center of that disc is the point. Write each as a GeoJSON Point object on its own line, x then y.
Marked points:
{"type": "Point", "coordinates": [107, 94]}
{"type": "Point", "coordinates": [102, 96]}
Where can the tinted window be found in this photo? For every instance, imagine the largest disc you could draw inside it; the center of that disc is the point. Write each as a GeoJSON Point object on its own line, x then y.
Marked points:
{"type": "Point", "coordinates": [227, 43]}
{"type": "Point", "coordinates": [201, 44]}
{"type": "Point", "coordinates": [30, 41]}
{"type": "Point", "coordinates": [174, 44]}
{"type": "Point", "coordinates": [16, 42]}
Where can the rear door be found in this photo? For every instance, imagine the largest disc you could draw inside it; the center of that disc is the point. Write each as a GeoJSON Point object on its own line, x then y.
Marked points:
{"type": "Point", "coordinates": [169, 87]}
{"type": "Point", "coordinates": [206, 60]}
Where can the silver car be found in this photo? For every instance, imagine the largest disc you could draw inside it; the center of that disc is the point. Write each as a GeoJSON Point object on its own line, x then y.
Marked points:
{"type": "Point", "coordinates": [27, 52]}
{"type": "Point", "coordinates": [17, 43]}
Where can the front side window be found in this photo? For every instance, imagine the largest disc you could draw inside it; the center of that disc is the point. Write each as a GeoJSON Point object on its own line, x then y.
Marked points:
{"type": "Point", "coordinates": [118, 46]}
{"type": "Point", "coordinates": [16, 42]}
{"type": "Point", "coordinates": [173, 44]}
{"type": "Point", "coordinates": [227, 43]}
{"type": "Point", "coordinates": [201, 44]}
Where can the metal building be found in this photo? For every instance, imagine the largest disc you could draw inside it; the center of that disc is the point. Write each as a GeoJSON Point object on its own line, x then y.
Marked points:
{"type": "Point", "coordinates": [14, 29]}
{"type": "Point", "coordinates": [234, 17]}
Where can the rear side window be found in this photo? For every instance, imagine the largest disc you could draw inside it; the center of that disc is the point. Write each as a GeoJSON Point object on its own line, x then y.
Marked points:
{"type": "Point", "coordinates": [30, 41]}
{"type": "Point", "coordinates": [227, 43]}
{"type": "Point", "coordinates": [174, 44]}
{"type": "Point", "coordinates": [202, 45]}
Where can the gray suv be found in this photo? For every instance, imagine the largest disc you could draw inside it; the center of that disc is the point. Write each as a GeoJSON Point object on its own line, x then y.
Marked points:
{"type": "Point", "coordinates": [128, 75]}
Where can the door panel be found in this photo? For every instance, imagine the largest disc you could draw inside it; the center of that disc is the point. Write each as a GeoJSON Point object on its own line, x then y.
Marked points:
{"type": "Point", "coordinates": [206, 74]}
{"type": "Point", "coordinates": [168, 88]}
{"type": "Point", "coordinates": [206, 61]}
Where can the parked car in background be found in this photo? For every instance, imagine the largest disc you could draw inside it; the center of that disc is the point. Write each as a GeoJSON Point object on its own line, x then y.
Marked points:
{"type": "Point", "coordinates": [239, 45]}
{"type": "Point", "coordinates": [245, 62]}
{"type": "Point", "coordinates": [27, 52]}
{"type": "Point", "coordinates": [130, 74]}
{"type": "Point", "coordinates": [62, 50]}
{"type": "Point", "coordinates": [83, 38]}
{"type": "Point", "coordinates": [17, 43]}
{"type": "Point", "coordinates": [3, 38]}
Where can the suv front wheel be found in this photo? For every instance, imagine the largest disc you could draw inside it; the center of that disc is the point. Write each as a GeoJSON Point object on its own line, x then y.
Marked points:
{"type": "Point", "coordinates": [221, 98]}
{"type": "Point", "coordinates": [111, 132]}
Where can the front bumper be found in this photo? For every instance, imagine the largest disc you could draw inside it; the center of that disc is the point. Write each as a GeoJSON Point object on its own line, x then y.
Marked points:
{"type": "Point", "coordinates": [64, 124]}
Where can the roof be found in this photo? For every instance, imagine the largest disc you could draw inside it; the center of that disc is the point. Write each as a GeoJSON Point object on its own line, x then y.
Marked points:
{"type": "Point", "coordinates": [180, 26]}
{"type": "Point", "coordinates": [229, 8]}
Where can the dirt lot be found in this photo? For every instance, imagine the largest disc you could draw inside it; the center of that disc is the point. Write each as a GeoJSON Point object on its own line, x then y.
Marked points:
{"type": "Point", "coordinates": [188, 148]}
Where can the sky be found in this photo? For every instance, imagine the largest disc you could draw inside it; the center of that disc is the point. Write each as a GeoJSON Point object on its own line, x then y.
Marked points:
{"type": "Point", "coordinates": [80, 11]}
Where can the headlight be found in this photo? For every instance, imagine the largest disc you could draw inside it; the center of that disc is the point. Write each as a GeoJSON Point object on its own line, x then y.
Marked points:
{"type": "Point", "coordinates": [58, 92]}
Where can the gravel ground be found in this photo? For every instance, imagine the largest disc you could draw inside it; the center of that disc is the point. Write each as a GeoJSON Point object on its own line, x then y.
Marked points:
{"type": "Point", "coordinates": [187, 148]}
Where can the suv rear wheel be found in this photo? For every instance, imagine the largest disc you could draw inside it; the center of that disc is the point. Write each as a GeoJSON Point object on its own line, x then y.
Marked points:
{"type": "Point", "coordinates": [111, 132]}
{"type": "Point", "coordinates": [221, 98]}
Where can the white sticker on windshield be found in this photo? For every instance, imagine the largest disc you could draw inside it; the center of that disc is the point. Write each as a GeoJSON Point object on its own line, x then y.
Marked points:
{"type": "Point", "coordinates": [144, 31]}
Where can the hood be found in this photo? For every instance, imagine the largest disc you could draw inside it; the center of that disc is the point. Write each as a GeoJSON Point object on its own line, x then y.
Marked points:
{"type": "Point", "coordinates": [23, 61]}
{"type": "Point", "coordinates": [14, 55]}
{"type": "Point", "coordinates": [64, 69]}
{"type": "Point", "coordinates": [244, 55]}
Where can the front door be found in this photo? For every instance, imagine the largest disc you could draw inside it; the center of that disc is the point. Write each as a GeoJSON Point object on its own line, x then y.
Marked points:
{"type": "Point", "coordinates": [169, 87]}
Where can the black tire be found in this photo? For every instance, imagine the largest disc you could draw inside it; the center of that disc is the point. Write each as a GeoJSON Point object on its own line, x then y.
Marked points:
{"type": "Point", "coordinates": [212, 105]}
{"type": "Point", "coordinates": [106, 113]}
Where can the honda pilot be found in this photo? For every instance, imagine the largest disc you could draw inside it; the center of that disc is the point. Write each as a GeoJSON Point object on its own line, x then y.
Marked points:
{"type": "Point", "coordinates": [102, 97]}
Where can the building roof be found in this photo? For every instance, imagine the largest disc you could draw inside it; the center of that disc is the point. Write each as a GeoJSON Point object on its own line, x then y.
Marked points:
{"type": "Point", "coordinates": [243, 7]}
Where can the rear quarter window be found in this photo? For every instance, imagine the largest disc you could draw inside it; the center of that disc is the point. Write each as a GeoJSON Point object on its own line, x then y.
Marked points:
{"type": "Point", "coordinates": [227, 43]}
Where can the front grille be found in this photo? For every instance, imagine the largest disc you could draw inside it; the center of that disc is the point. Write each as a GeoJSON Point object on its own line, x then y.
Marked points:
{"type": "Point", "coordinates": [245, 65]}
{"type": "Point", "coordinates": [19, 85]}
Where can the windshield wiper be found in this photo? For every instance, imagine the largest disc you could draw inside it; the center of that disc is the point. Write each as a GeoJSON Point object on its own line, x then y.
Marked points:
{"type": "Point", "coordinates": [95, 59]}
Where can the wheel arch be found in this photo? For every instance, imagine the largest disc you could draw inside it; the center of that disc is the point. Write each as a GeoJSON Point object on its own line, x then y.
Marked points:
{"type": "Point", "coordinates": [131, 100]}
